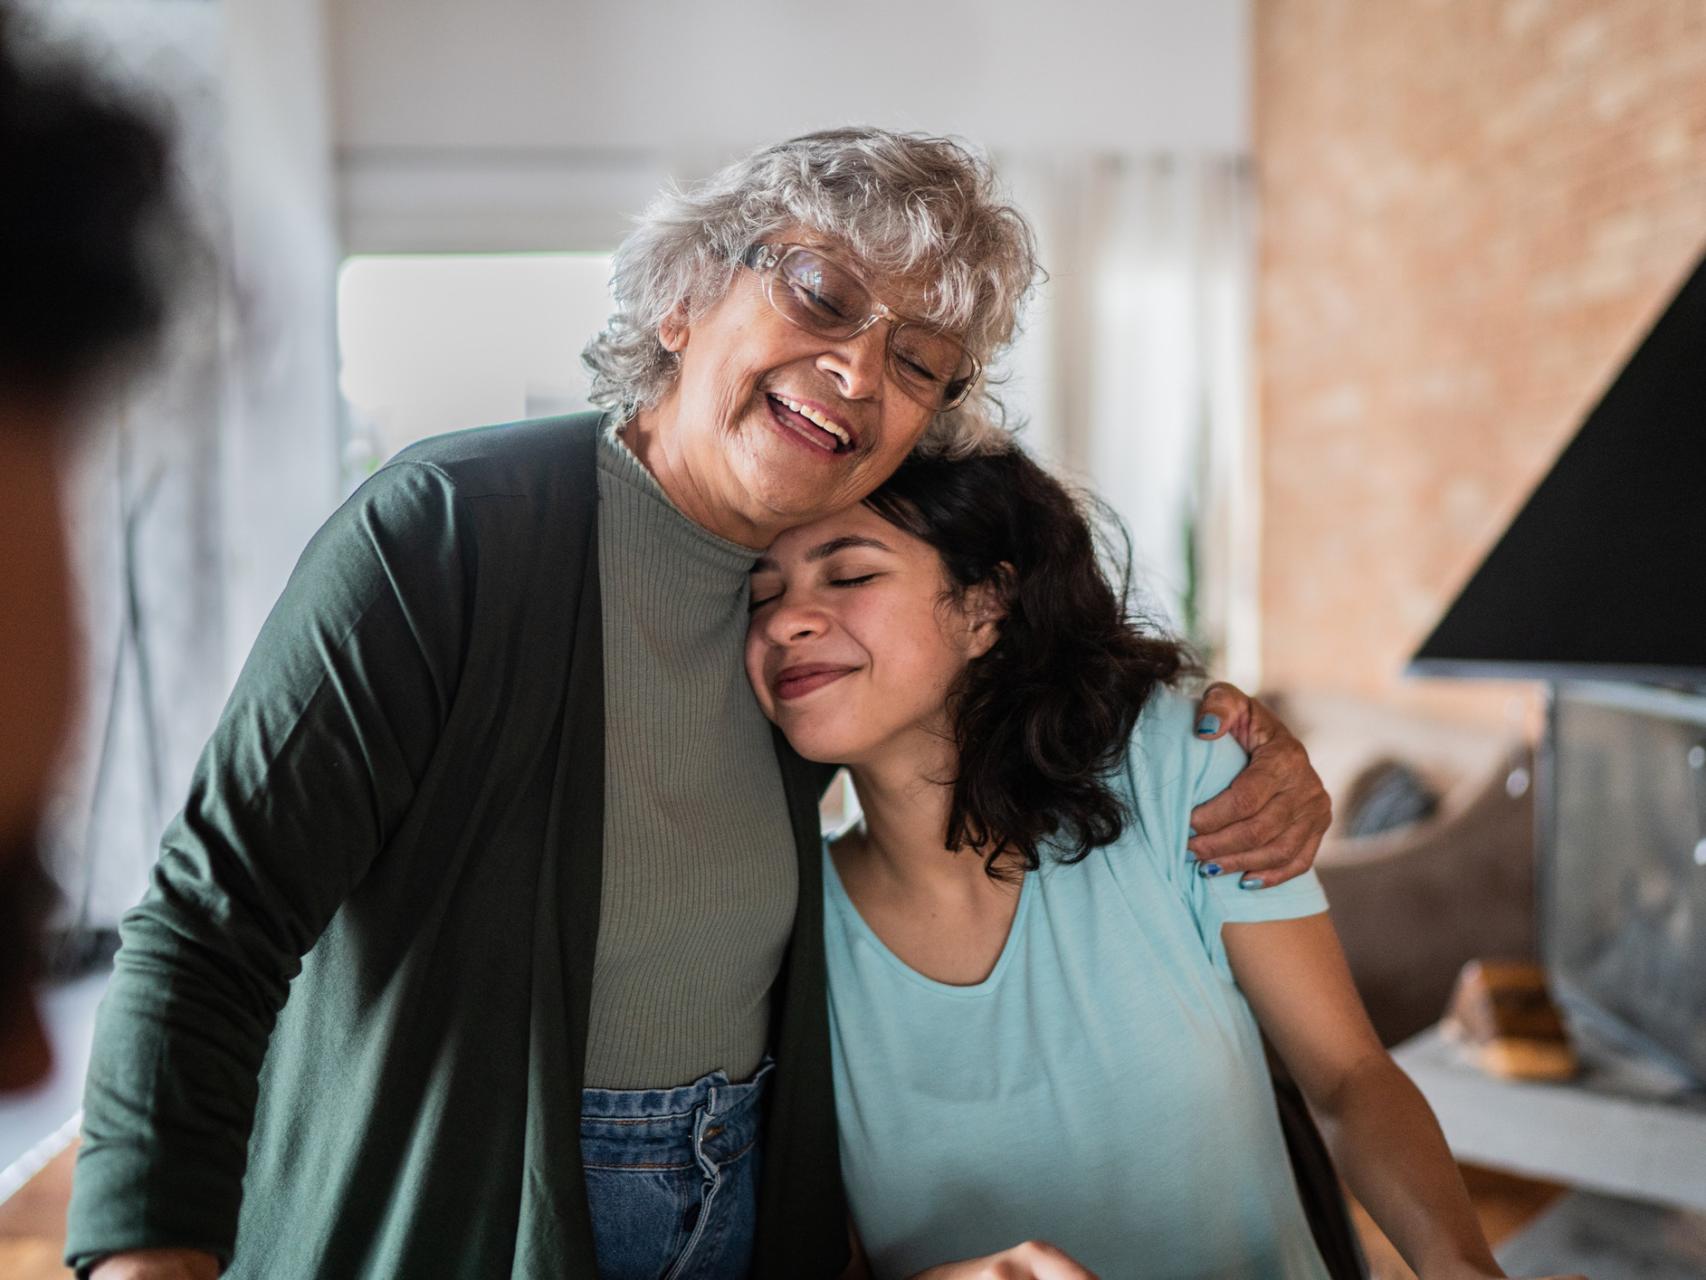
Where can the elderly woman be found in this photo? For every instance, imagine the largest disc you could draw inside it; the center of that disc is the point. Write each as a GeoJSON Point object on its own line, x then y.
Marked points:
{"type": "Point", "coordinates": [493, 804]}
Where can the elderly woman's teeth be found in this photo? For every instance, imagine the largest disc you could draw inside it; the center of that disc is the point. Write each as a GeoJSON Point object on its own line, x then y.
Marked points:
{"type": "Point", "coordinates": [817, 419]}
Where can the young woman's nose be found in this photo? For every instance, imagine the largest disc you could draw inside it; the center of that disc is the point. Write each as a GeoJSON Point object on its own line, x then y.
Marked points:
{"type": "Point", "coordinates": [790, 624]}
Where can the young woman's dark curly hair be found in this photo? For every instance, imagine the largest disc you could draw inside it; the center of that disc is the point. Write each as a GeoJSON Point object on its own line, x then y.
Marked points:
{"type": "Point", "coordinates": [1042, 720]}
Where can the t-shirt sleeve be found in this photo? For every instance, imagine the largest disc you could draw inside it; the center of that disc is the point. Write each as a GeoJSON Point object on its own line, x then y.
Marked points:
{"type": "Point", "coordinates": [1173, 771]}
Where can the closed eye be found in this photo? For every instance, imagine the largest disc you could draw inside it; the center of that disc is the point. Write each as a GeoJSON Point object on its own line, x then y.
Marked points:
{"type": "Point", "coordinates": [822, 303]}
{"type": "Point", "coordinates": [919, 371]}
{"type": "Point", "coordinates": [754, 603]}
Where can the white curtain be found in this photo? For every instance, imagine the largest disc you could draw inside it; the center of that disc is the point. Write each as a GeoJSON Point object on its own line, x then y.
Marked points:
{"type": "Point", "coordinates": [192, 493]}
{"type": "Point", "coordinates": [1134, 372]}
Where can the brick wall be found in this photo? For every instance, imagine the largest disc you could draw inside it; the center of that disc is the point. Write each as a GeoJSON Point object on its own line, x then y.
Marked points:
{"type": "Point", "coordinates": [1471, 210]}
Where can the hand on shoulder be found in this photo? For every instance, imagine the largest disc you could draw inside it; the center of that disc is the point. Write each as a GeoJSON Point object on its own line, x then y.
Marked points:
{"type": "Point", "coordinates": [1267, 825]}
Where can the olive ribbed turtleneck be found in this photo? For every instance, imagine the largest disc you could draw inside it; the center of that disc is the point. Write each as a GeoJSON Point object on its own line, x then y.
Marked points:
{"type": "Point", "coordinates": [700, 879]}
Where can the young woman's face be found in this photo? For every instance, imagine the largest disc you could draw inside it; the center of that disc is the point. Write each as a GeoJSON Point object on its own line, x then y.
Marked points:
{"type": "Point", "coordinates": [854, 641]}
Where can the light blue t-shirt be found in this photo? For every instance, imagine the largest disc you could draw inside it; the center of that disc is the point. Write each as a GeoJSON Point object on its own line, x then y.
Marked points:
{"type": "Point", "coordinates": [1104, 1088]}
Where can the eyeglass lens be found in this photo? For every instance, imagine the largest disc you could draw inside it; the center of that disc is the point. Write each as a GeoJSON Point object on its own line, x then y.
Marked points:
{"type": "Point", "coordinates": [820, 295]}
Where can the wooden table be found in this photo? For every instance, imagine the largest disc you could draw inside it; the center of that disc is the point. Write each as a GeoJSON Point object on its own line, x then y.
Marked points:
{"type": "Point", "coordinates": [1628, 1135]}
{"type": "Point", "coordinates": [32, 1223]}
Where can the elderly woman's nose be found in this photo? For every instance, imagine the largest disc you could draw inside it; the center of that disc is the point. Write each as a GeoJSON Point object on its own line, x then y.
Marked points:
{"type": "Point", "coordinates": [856, 363]}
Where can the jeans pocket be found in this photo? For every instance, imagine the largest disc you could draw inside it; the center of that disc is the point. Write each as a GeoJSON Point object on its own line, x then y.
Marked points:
{"type": "Point", "coordinates": [642, 1219]}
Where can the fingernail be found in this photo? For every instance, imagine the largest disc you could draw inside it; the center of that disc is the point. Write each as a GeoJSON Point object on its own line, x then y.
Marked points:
{"type": "Point", "coordinates": [1209, 869]}
{"type": "Point", "coordinates": [1250, 882]}
{"type": "Point", "coordinates": [1208, 724]}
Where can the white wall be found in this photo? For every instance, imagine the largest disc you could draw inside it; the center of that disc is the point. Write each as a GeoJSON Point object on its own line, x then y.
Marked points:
{"type": "Point", "coordinates": [1122, 75]}
{"type": "Point", "coordinates": [534, 118]}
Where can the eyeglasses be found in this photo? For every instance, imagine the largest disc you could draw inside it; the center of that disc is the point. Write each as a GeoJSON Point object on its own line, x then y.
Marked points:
{"type": "Point", "coordinates": [820, 295]}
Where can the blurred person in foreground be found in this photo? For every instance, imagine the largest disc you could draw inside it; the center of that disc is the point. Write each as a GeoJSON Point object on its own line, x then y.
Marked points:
{"type": "Point", "coordinates": [493, 804]}
{"type": "Point", "coordinates": [85, 199]}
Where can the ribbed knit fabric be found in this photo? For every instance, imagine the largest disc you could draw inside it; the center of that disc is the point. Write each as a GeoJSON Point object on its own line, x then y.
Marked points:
{"type": "Point", "coordinates": [700, 876]}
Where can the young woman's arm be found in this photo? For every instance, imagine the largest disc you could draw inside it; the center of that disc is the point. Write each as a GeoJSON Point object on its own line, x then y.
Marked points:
{"type": "Point", "coordinates": [1384, 1138]}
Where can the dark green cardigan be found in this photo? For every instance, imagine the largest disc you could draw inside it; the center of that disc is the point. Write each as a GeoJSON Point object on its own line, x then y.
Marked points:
{"type": "Point", "coordinates": [398, 823]}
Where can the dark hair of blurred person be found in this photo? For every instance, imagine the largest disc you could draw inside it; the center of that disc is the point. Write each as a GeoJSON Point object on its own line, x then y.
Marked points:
{"type": "Point", "coordinates": [82, 221]}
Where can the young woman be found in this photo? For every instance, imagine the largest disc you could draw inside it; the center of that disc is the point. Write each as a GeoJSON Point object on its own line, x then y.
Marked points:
{"type": "Point", "coordinates": [1044, 1015]}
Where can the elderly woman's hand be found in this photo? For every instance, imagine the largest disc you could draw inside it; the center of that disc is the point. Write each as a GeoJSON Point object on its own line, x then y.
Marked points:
{"type": "Point", "coordinates": [1266, 827]}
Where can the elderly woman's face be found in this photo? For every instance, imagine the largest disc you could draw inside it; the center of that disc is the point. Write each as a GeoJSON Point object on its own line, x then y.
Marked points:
{"type": "Point", "coordinates": [750, 386]}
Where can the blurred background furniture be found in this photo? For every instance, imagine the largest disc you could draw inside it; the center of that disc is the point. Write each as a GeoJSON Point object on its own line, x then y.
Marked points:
{"type": "Point", "coordinates": [1414, 902]}
{"type": "Point", "coordinates": [1628, 1136]}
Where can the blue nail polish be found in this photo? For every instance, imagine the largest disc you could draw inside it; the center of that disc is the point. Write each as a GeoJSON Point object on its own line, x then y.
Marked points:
{"type": "Point", "coordinates": [1208, 724]}
{"type": "Point", "coordinates": [1209, 869]}
{"type": "Point", "coordinates": [1250, 882]}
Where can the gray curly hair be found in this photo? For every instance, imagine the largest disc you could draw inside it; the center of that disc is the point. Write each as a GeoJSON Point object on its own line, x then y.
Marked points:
{"type": "Point", "coordinates": [908, 205]}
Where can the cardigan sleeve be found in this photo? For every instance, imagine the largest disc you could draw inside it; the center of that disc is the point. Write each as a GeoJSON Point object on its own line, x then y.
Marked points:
{"type": "Point", "coordinates": [314, 762]}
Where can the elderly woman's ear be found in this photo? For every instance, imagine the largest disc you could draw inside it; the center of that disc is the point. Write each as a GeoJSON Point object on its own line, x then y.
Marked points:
{"type": "Point", "coordinates": [673, 328]}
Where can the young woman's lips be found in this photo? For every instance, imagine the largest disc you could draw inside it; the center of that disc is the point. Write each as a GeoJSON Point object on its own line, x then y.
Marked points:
{"type": "Point", "coordinates": [796, 682]}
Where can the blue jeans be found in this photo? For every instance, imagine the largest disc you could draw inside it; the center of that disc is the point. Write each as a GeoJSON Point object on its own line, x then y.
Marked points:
{"type": "Point", "coordinates": [672, 1177]}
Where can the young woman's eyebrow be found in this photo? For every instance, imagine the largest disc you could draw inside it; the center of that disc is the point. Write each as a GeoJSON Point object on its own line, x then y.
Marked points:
{"type": "Point", "coordinates": [826, 549]}
{"type": "Point", "coordinates": [764, 564]}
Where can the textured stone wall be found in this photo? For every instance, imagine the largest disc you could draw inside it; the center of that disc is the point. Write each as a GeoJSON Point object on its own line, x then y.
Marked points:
{"type": "Point", "coordinates": [1471, 210]}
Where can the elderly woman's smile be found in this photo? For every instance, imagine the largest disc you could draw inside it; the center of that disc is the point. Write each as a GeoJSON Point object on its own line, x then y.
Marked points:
{"type": "Point", "coordinates": [813, 423]}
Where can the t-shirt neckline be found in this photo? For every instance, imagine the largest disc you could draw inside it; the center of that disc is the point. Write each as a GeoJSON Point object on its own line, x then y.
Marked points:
{"type": "Point", "coordinates": [853, 919]}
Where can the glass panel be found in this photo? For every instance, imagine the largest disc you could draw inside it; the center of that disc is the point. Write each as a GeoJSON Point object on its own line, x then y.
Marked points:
{"type": "Point", "coordinates": [1624, 913]}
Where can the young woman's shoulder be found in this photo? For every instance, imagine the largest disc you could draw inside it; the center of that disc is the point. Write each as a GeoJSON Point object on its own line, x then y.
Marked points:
{"type": "Point", "coordinates": [1171, 772]}
{"type": "Point", "coordinates": [1170, 768]}
{"type": "Point", "coordinates": [1168, 771]}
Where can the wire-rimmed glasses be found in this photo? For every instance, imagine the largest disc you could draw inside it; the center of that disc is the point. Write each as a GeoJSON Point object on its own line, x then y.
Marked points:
{"type": "Point", "coordinates": [810, 289]}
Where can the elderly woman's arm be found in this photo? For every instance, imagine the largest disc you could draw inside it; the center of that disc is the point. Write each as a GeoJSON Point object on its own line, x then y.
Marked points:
{"type": "Point", "coordinates": [1267, 826]}
{"type": "Point", "coordinates": [314, 762]}
{"type": "Point", "coordinates": [1383, 1136]}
